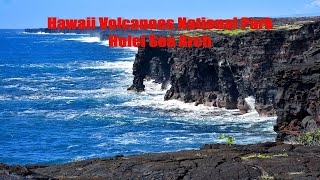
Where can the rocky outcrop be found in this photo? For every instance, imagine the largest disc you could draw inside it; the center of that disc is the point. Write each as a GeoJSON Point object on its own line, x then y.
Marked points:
{"type": "Point", "coordinates": [298, 82]}
{"type": "Point", "coordinates": [279, 68]}
{"type": "Point", "coordinates": [150, 63]}
{"type": "Point", "coordinates": [259, 161]}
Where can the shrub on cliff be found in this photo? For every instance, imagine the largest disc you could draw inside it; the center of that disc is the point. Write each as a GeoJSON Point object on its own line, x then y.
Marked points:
{"type": "Point", "coordinates": [229, 139]}
{"type": "Point", "coordinates": [310, 138]}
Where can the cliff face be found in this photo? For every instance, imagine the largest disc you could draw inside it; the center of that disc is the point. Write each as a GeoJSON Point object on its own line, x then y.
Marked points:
{"type": "Point", "coordinates": [279, 68]}
{"type": "Point", "coordinates": [298, 81]}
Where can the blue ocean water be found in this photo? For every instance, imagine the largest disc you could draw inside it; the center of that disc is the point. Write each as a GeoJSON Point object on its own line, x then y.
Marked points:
{"type": "Point", "coordinates": [63, 98]}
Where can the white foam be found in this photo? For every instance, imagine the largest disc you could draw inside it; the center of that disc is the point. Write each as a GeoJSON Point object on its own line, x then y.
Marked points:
{"type": "Point", "coordinates": [44, 79]}
{"type": "Point", "coordinates": [135, 49]}
{"type": "Point", "coordinates": [254, 116]}
{"type": "Point", "coordinates": [127, 141]}
{"type": "Point", "coordinates": [4, 98]}
{"type": "Point", "coordinates": [66, 115]}
{"type": "Point", "coordinates": [123, 63]}
{"type": "Point", "coordinates": [178, 139]}
{"type": "Point", "coordinates": [92, 91]}
{"type": "Point", "coordinates": [85, 39]}
{"type": "Point", "coordinates": [105, 43]}
{"type": "Point", "coordinates": [251, 102]}
{"type": "Point", "coordinates": [156, 99]}
{"type": "Point", "coordinates": [80, 158]}
{"type": "Point", "coordinates": [72, 146]}
{"type": "Point", "coordinates": [98, 136]}
{"type": "Point", "coordinates": [153, 97]}
{"type": "Point", "coordinates": [13, 79]}
{"type": "Point", "coordinates": [100, 145]}
{"type": "Point", "coordinates": [128, 58]}
{"type": "Point", "coordinates": [29, 89]}
{"type": "Point", "coordinates": [48, 65]}
{"type": "Point", "coordinates": [11, 86]}
{"type": "Point", "coordinates": [43, 33]}
{"type": "Point", "coordinates": [39, 42]}
{"type": "Point", "coordinates": [127, 65]}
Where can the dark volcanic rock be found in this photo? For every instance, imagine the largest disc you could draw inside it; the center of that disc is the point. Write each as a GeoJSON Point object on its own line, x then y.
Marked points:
{"type": "Point", "coordinates": [150, 63]}
{"type": "Point", "coordinates": [280, 69]}
{"type": "Point", "coordinates": [298, 80]}
{"type": "Point", "coordinates": [277, 161]}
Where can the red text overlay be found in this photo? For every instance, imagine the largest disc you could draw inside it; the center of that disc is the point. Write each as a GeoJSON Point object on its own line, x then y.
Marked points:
{"type": "Point", "coordinates": [182, 24]}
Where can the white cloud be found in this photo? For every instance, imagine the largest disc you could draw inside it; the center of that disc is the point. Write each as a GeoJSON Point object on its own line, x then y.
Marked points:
{"type": "Point", "coordinates": [314, 4]}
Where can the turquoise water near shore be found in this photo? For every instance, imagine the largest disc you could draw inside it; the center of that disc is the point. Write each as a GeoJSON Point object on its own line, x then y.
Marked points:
{"type": "Point", "coordinates": [63, 98]}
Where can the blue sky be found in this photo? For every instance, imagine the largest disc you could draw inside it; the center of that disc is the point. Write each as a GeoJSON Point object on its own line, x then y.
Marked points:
{"type": "Point", "coordinates": [16, 14]}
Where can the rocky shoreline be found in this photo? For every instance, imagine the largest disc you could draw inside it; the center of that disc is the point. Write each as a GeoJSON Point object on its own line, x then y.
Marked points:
{"type": "Point", "coordinates": [279, 68]}
{"type": "Point", "coordinates": [269, 160]}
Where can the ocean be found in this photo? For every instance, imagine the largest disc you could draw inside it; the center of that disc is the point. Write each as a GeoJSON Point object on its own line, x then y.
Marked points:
{"type": "Point", "coordinates": [64, 98]}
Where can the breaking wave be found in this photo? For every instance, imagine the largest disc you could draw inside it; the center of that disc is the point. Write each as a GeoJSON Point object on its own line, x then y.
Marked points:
{"type": "Point", "coordinates": [85, 39]}
{"type": "Point", "coordinates": [97, 40]}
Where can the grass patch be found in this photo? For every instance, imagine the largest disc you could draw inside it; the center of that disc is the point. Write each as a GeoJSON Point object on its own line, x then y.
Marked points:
{"type": "Point", "coordinates": [199, 33]}
{"type": "Point", "coordinates": [265, 177]}
{"type": "Point", "coordinates": [194, 34]}
{"type": "Point", "coordinates": [231, 32]}
{"type": "Point", "coordinates": [281, 155]}
{"type": "Point", "coordinates": [263, 156]}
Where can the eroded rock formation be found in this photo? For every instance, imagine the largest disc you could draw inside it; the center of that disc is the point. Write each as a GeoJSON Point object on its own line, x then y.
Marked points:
{"type": "Point", "coordinates": [280, 69]}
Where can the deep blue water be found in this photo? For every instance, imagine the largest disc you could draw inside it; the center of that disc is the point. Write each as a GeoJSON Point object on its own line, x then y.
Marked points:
{"type": "Point", "coordinates": [63, 98]}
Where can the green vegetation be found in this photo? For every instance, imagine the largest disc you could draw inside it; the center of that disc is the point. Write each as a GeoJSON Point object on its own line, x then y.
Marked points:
{"type": "Point", "coordinates": [263, 156]}
{"type": "Point", "coordinates": [310, 138]}
{"type": "Point", "coordinates": [194, 34]}
{"type": "Point", "coordinates": [231, 32]}
{"type": "Point", "coordinates": [281, 155]}
{"type": "Point", "coordinates": [229, 139]}
{"type": "Point", "coordinates": [198, 33]}
{"type": "Point", "coordinates": [266, 177]}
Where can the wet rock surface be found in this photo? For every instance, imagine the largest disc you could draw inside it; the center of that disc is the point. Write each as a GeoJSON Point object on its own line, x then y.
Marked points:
{"type": "Point", "coordinates": [215, 161]}
{"type": "Point", "coordinates": [279, 68]}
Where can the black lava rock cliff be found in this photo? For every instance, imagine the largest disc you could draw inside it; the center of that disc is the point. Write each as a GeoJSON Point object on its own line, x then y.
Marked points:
{"type": "Point", "coordinates": [279, 68]}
